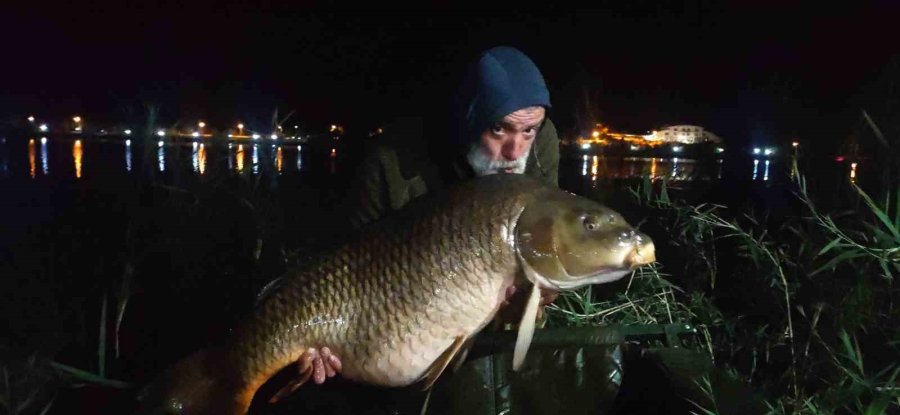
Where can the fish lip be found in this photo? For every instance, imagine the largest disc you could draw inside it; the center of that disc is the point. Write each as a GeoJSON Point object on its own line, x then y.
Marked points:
{"type": "Point", "coordinates": [604, 275]}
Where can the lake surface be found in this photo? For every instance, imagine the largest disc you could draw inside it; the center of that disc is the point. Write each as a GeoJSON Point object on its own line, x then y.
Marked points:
{"type": "Point", "coordinates": [189, 231]}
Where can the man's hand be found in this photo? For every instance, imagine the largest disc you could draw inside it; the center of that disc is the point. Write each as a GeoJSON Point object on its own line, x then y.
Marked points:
{"type": "Point", "coordinates": [514, 304]}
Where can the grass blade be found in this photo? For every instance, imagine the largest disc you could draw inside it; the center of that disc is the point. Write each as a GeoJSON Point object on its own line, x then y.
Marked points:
{"type": "Point", "coordinates": [879, 213]}
{"type": "Point", "coordinates": [86, 376]}
{"type": "Point", "coordinates": [830, 245]}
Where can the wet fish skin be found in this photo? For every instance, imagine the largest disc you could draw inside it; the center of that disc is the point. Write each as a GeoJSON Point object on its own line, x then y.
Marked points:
{"type": "Point", "coordinates": [391, 301]}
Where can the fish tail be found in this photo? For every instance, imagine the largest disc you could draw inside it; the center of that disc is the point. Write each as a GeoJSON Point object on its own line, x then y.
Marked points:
{"type": "Point", "coordinates": [199, 384]}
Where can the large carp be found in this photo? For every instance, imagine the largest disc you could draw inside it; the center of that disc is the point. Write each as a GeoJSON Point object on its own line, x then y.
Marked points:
{"type": "Point", "coordinates": [397, 303]}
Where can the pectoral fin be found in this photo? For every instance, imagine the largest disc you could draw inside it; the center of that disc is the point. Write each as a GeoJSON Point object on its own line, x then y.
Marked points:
{"type": "Point", "coordinates": [526, 327]}
{"type": "Point", "coordinates": [462, 354]}
{"type": "Point", "coordinates": [433, 372]}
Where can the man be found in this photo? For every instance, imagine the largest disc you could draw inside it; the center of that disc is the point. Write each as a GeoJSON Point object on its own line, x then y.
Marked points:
{"type": "Point", "coordinates": [501, 126]}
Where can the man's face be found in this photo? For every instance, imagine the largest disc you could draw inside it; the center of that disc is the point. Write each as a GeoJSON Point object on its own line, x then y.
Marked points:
{"type": "Point", "coordinates": [505, 146]}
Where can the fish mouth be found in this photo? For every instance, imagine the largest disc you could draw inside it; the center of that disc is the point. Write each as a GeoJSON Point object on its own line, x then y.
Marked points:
{"type": "Point", "coordinates": [601, 277]}
{"type": "Point", "coordinates": [638, 257]}
{"type": "Point", "coordinates": [641, 255]}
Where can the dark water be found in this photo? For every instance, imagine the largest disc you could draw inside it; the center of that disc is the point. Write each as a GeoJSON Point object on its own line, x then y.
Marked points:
{"type": "Point", "coordinates": [189, 231]}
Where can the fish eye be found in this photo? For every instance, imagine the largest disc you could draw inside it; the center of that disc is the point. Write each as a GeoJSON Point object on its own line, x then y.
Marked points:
{"type": "Point", "coordinates": [589, 223]}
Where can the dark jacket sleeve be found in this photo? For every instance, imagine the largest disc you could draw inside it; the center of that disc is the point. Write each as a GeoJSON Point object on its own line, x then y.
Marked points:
{"type": "Point", "coordinates": [383, 187]}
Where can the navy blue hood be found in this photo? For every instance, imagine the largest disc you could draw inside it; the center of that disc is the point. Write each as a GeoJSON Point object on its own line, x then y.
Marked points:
{"type": "Point", "coordinates": [502, 81]}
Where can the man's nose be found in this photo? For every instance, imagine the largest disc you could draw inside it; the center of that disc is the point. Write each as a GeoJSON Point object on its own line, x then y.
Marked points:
{"type": "Point", "coordinates": [513, 149]}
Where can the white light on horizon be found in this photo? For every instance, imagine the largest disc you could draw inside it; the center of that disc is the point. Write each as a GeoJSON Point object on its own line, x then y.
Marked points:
{"type": "Point", "coordinates": [195, 134]}
{"type": "Point", "coordinates": [586, 146]}
{"type": "Point", "coordinates": [677, 149]}
{"type": "Point", "coordinates": [43, 127]}
{"type": "Point", "coordinates": [161, 133]}
{"type": "Point", "coordinates": [756, 150]}
{"type": "Point", "coordinates": [769, 151]}
{"type": "Point", "coordinates": [127, 132]}
{"type": "Point", "coordinates": [273, 136]}
{"type": "Point", "coordinates": [256, 136]}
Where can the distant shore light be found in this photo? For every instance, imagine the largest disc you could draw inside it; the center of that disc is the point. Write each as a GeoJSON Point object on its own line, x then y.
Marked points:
{"type": "Point", "coordinates": [161, 133]}
{"type": "Point", "coordinates": [127, 132]}
{"type": "Point", "coordinates": [43, 127]}
{"type": "Point", "coordinates": [256, 136]}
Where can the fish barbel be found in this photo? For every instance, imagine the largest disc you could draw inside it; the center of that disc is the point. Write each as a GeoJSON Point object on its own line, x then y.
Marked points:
{"type": "Point", "coordinates": [398, 302]}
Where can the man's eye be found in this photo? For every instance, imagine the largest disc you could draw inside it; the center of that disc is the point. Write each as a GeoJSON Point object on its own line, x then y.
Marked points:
{"type": "Point", "coordinates": [497, 129]}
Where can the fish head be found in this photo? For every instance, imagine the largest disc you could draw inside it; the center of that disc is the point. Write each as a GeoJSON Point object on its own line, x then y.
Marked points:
{"type": "Point", "coordinates": [566, 241]}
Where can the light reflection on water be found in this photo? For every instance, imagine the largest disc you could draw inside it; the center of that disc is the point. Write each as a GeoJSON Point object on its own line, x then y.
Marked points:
{"type": "Point", "coordinates": [161, 156]}
{"type": "Point", "coordinates": [239, 155]}
{"type": "Point", "coordinates": [77, 152]}
{"type": "Point", "coordinates": [32, 163]}
{"type": "Point", "coordinates": [45, 166]}
{"type": "Point", "coordinates": [128, 155]}
{"type": "Point", "coordinates": [673, 169]}
{"type": "Point", "coordinates": [230, 157]}
{"type": "Point", "coordinates": [256, 159]}
{"type": "Point", "coordinates": [198, 157]}
{"type": "Point", "coordinates": [765, 175]}
{"type": "Point", "coordinates": [202, 156]}
{"type": "Point", "coordinates": [279, 159]}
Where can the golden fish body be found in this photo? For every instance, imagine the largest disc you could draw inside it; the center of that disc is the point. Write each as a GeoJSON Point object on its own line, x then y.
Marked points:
{"type": "Point", "coordinates": [391, 302]}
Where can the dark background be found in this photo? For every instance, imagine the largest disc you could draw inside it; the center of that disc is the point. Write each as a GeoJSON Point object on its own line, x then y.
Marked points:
{"type": "Point", "coordinates": [760, 71]}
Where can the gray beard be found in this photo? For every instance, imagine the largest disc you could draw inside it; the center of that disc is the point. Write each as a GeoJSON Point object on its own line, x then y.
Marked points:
{"type": "Point", "coordinates": [484, 166]}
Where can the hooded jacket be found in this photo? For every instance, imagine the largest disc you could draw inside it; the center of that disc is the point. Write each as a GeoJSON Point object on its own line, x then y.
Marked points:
{"type": "Point", "coordinates": [403, 165]}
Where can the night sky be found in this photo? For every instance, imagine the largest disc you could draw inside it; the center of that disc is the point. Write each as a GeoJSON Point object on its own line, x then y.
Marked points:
{"type": "Point", "coordinates": [747, 71]}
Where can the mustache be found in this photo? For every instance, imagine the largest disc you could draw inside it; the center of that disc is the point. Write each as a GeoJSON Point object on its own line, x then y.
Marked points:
{"type": "Point", "coordinates": [504, 164]}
